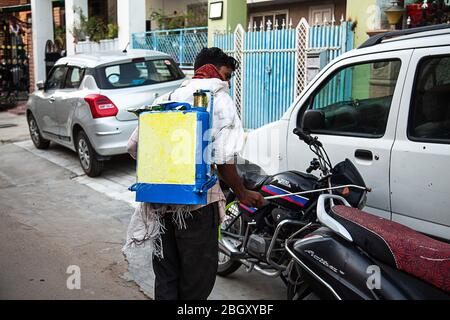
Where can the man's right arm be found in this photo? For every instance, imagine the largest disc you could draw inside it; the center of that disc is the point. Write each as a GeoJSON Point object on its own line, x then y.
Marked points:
{"type": "Point", "coordinates": [228, 173]}
{"type": "Point", "coordinates": [133, 143]}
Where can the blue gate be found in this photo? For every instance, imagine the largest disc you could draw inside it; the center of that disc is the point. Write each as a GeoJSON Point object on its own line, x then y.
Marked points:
{"type": "Point", "coordinates": [273, 64]}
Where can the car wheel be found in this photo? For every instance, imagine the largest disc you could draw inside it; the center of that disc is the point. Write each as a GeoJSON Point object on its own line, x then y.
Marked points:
{"type": "Point", "coordinates": [88, 159]}
{"type": "Point", "coordinates": [35, 134]}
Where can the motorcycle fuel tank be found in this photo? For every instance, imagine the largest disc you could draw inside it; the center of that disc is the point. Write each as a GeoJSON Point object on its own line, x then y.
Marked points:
{"type": "Point", "coordinates": [291, 182]}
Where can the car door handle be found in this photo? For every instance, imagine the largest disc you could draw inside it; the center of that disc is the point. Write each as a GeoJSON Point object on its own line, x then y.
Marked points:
{"type": "Point", "coordinates": [366, 155]}
{"type": "Point", "coordinates": [51, 99]}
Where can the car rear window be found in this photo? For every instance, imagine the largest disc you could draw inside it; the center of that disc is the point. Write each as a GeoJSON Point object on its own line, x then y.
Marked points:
{"type": "Point", "coordinates": [138, 73]}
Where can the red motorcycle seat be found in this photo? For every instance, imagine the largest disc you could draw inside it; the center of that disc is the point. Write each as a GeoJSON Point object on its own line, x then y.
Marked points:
{"type": "Point", "coordinates": [397, 245]}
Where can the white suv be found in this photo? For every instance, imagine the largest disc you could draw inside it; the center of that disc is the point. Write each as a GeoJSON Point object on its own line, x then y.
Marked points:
{"type": "Point", "coordinates": [386, 107]}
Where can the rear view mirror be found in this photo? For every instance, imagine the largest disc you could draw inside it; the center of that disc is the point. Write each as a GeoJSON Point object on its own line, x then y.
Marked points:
{"type": "Point", "coordinates": [40, 85]}
{"type": "Point", "coordinates": [313, 120]}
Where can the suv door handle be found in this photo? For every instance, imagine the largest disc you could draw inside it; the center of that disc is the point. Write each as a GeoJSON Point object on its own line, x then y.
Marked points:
{"type": "Point", "coordinates": [51, 99]}
{"type": "Point", "coordinates": [366, 155]}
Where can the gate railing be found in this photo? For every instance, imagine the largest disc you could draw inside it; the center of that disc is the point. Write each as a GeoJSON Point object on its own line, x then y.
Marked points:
{"type": "Point", "coordinates": [182, 44]}
{"type": "Point", "coordinates": [273, 64]}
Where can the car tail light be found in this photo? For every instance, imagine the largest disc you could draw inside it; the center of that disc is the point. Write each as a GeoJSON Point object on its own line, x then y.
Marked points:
{"type": "Point", "coordinates": [101, 106]}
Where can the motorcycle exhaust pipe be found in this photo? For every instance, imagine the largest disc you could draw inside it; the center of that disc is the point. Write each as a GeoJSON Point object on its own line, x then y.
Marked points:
{"type": "Point", "coordinates": [269, 273]}
{"type": "Point", "coordinates": [227, 248]}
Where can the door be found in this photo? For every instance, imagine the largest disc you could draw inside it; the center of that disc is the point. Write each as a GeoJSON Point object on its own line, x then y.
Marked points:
{"type": "Point", "coordinates": [67, 101]}
{"type": "Point", "coordinates": [420, 175]}
{"type": "Point", "coordinates": [46, 101]}
{"type": "Point", "coordinates": [360, 98]}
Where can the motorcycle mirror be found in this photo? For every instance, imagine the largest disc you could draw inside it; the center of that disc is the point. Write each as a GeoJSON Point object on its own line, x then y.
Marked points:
{"type": "Point", "coordinates": [313, 120]}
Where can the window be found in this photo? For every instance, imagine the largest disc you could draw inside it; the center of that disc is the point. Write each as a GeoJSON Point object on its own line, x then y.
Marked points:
{"type": "Point", "coordinates": [429, 118]}
{"type": "Point", "coordinates": [320, 14]}
{"type": "Point", "coordinates": [275, 18]}
{"type": "Point", "coordinates": [140, 73]}
{"type": "Point", "coordinates": [74, 77]}
{"type": "Point", "coordinates": [356, 99]}
{"type": "Point", "coordinates": [56, 78]}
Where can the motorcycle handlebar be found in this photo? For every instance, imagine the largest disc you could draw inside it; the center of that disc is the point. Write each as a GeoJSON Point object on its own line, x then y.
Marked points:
{"type": "Point", "coordinates": [308, 139]}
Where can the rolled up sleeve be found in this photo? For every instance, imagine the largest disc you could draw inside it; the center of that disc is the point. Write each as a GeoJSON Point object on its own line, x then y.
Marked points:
{"type": "Point", "coordinates": [133, 143]}
{"type": "Point", "coordinates": [227, 131]}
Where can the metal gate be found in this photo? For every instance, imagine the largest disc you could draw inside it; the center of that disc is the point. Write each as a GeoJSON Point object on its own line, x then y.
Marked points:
{"type": "Point", "coordinates": [182, 44]}
{"type": "Point", "coordinates": [14, 73]}
{"type": "Point", "coordinates": [273, 64]}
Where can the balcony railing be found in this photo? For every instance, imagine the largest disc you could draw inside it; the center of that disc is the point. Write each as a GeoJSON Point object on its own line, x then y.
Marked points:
{"type": "Point", "coordinates": [92, 47]}
{"type": "Point", "coordinates": [181, 44]}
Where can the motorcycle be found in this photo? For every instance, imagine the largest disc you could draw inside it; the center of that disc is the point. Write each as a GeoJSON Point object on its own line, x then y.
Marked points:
{"type": "Point", "coordinates": [255, 237]}
{"type": "Point", "coordinates": [356, 255]}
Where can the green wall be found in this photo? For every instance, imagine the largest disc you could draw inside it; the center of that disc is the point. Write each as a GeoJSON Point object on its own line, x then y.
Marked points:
{"type": "Point", "coordinates": [234, 13]}
{"type": "Point", "coordinates": [360, 11]}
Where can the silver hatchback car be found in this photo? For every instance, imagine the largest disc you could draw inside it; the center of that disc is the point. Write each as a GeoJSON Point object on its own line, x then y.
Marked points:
{"type": "Point", "coordinates": [83, 104]}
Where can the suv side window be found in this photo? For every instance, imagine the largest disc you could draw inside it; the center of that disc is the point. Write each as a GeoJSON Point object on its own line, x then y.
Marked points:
{"type": "Point", "coordinates": [74, 77]}
{"type": "Point", "coordinates": [356, 99]}
{"type": "Point", "coordinates": [56, 78]}
{"type": "Point", "coordinates": [429, 118]}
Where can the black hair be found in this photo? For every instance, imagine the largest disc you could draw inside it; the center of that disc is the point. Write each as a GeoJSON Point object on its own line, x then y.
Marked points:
{"type": "Point", "coordinates": [216, 57]}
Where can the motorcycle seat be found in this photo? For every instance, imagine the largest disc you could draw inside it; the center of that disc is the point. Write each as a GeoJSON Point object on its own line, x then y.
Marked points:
{"type": "Point", "coordinates": [252, 175]}
{"type": "Point", "coordinates": [398, 246]}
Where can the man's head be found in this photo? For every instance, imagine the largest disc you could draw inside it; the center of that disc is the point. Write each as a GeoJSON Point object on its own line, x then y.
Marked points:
{"type": "Point", "coordinates": [225, 64]}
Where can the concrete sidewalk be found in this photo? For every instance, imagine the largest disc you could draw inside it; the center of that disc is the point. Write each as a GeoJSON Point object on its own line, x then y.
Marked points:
{"type": "Point", "coordinates": [48, 223]}
{"type": "Point", "coordinates": [82, 221]}
{"type": "Point", "coordinates": [13, 127]}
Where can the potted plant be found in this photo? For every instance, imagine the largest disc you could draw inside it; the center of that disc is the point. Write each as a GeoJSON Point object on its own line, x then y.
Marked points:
{"type": "Point", "coordinates": [93, 29]}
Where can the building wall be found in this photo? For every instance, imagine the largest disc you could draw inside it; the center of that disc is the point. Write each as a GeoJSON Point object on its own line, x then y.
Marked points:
{"type": "Point", "coordinates": [363, 13]}
{"type": "Point", "coordinates": [234, 12]}
{"type": "Point", "coordinates": [103, 9]}
{"type": "Point", "coordinates": [369, 15]}
{"type": "Point", "coordinates": [59, 17]}
{"type": "Point", "coordinates": [9, 3]}
{"type": "Point", "coordinates": [168, 7]}
{"type": "Point", "coordinates": [31, 80]}
{"type": "Point", "coordinates": [300, 10]}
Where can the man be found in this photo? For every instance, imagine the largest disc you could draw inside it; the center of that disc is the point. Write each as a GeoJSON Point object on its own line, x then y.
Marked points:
{"type": "Point", "coordinates": [185, 238]}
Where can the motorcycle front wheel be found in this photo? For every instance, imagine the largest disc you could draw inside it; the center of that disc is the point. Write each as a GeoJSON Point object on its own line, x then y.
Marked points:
{"type": "Point", "coordinates": [297, 288]}
{"type": "Point", "coordinates": [227, 266]}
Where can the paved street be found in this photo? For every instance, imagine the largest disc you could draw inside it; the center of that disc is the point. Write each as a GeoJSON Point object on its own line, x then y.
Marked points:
{"type": "Point", "coordinates": [53, 216]}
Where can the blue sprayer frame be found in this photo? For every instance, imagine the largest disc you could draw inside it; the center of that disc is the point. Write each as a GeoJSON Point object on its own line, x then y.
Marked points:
{"type": "Point", "coordinates": [184, 194]}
